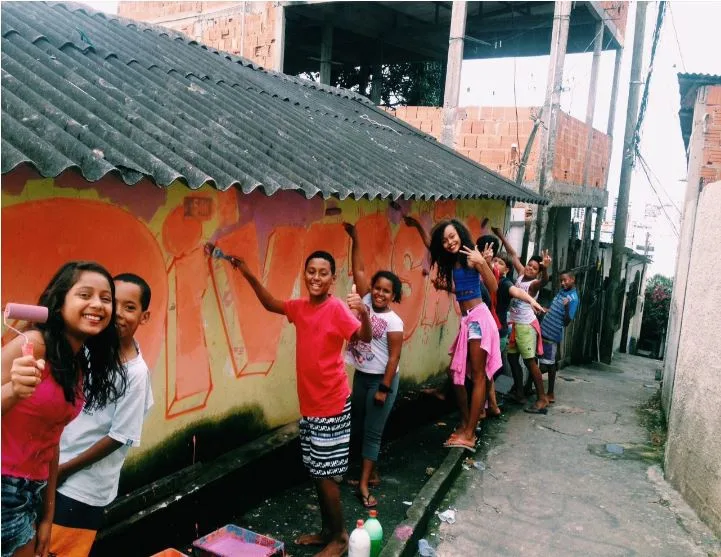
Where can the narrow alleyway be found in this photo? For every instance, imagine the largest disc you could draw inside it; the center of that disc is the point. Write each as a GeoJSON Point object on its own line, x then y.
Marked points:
{"type": "Point", "coordinates": [581, 481]}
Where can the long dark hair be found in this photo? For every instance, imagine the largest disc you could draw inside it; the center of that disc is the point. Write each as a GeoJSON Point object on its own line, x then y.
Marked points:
{"type": "Point", "coordinates": [441, 258]}
{"type": "Point", "coordinates": [104, 376]}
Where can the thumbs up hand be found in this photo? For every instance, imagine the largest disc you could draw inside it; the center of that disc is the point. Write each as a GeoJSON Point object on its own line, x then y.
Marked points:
{"type": "Point", "coordinates": [354, 301]}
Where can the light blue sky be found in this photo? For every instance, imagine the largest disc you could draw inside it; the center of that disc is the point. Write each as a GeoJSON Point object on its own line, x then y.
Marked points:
{"type": "Point", "coordinates": [490, 82]}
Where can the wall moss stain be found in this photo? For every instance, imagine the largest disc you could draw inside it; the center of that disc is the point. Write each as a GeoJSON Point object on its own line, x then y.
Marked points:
{"type": "Point", "coordinates": [210, 346]}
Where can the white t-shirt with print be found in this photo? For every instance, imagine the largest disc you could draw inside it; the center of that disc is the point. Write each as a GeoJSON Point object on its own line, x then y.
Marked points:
{"type": "Point", "coordinates": [372, 357]}
{"type": "Point", "coordinates": [97, 485]}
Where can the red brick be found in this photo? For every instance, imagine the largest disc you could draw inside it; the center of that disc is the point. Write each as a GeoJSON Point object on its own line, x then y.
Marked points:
{"type": "Point", "coordinates": [477, 127]}
{"type": "Point", "coordinates": [469, 140]}
{"type": "Point", "coordinates": [713, 97]}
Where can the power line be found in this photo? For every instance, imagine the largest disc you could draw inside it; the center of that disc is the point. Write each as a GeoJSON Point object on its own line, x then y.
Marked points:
{"type": "Point", "coordinates": [661, 203]}
{"type": "Point", "coordinates": [659, 183]}
{"type": "Point", "coordinates": [678, 43]}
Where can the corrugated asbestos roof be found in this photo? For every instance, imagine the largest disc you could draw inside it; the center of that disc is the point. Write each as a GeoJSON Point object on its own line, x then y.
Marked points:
{"type": "Point", "coordinates": [85, 90]}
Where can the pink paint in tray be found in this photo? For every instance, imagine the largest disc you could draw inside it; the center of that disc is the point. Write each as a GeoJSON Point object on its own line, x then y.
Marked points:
{"type": "Point", "coordinates": [234, 541]}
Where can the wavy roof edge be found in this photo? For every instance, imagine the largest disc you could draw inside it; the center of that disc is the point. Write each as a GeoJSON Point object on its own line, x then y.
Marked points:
{"type": "Point", "coordinates": [129, 175]}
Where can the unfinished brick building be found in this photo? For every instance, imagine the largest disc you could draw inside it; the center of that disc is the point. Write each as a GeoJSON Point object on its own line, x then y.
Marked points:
{"type": "Point", "coordinates": [540, 147]}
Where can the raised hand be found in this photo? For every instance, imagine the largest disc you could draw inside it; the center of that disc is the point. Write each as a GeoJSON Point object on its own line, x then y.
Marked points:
{"type": "Point", "coordinates": [546, 255]}
{"type": "Point", "coordinates": [26, 375]}
{"type": "Point", "coordinates": [488, 252]}
{"type": "Point", "coordinates": [475, 257]}
{"type": "Point", "coordinates": [354, 301]}
{"type": "Point", "coordinates": [349, 229]}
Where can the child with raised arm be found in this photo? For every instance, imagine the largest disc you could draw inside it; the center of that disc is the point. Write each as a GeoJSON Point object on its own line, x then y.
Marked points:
{"type": "Point", "coordinates": [475, 353]}
{"type": "Point", "coordinates": [323, 323]}
{"type": "Point", "coordinates": [94, 445]}
{"type": "Point", "coordinates": [375, 382]}
{"type": "Point", "coordinates": [525, 339]}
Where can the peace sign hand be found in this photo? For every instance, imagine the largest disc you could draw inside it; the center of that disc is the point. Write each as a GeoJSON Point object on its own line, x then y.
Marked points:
{"type": "Point", "coordinates": [475, 257]}
{"type": "Point", "coordinates": [546, 258]}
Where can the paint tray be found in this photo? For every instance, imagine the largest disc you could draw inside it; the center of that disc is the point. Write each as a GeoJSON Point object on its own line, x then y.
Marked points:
{"type": "Point", "coordinates": [170, 552]}
{"type": "Point", "coordinates": [234, 541]}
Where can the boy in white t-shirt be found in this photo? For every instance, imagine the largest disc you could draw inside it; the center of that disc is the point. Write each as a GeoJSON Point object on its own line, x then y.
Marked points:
{"type": "Point", "coordinates": [94, 445]}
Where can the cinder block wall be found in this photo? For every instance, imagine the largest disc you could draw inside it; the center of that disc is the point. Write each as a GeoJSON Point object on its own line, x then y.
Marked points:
{"type": "Point", "coordinates": [216, 24]}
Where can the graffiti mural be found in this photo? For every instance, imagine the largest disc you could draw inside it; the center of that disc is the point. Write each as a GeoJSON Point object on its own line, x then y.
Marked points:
{"type": "Point", "coordinates": [209, 343]}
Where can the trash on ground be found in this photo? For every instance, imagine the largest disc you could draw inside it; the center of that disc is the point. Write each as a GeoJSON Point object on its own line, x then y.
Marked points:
{"type": "Point", "coordinates": [613, 448]}
{"type": "Point", "coordinates": [425, 549]}
{"type": "Point", "coordinates": [441, 424]}
{"type": "Point", "coordinates": [403, 532]}
{"type": "Point", "coordinates": [409, 503]}
{"type": "Point", "coordinates": [448, 516]}
{"type": "Point", "coordinates": [430, 470]}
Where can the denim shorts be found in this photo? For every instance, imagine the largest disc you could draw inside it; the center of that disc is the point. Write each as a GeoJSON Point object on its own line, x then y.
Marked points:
{"type": "Point", "coordinates": [21, 499]}
{"type": "Point", "coordinates": [474, 331]}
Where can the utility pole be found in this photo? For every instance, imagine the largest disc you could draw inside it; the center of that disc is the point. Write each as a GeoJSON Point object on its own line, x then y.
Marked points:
{"type": "Point", "coordinates": [453, 72]}
{"type": "Point", "coordinates": [619, 231]}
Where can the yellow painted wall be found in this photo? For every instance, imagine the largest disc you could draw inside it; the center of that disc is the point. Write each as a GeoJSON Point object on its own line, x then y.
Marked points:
{"type": "Point", "coordinates": [210, 345]}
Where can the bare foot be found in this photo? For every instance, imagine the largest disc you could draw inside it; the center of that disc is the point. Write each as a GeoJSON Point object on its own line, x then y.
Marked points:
{"type": "Point", "coordinates": [551, 398]}
{"type": "Point", "coordinates": [336, 548]}
{"type": "Point", "coordinates": [312, 539]}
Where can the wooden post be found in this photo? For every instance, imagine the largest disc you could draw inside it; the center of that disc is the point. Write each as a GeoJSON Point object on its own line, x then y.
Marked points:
{"type": "Point", "coordinates": [619, 231]}
{"type": "Point", "coordinates": [326, 52]}
{"type": "Point", "coordinates": [559, 41]}
{"type": "Point", "coordinates": [453, 72]}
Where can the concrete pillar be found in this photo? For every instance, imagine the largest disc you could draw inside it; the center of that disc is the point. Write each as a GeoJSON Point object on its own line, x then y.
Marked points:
{"type": "Point", "coordinates": [326, 52]}
{"type": "Point", "coordinates": [559, 41]}
{"type": "Point", "coordinates": [590, 111]}
{"type": "Point", "coordinates": [279, 36]}
{"type": "Point", "coordinates": [614, 92]}
{"type": "Point", "coordinates": [453, 72]}
{"type": "Point", "coordinates": [376, 84]}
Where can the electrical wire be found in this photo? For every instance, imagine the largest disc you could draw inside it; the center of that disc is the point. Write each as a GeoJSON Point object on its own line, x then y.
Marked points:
{"type": "Point", "coordinates": [661, 203]}
{"type": "Point", "coordinates": [658, 182]}
{"type": "Point", "coordinates": [678, 43]}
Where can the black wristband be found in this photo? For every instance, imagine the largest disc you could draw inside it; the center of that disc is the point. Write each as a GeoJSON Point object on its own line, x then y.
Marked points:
{"type": "Point", "coordinates": [383, 388]}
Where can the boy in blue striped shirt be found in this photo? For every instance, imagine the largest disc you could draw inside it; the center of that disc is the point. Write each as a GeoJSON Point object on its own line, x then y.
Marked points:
{"type": "Point", "coordinates": [560, 314]}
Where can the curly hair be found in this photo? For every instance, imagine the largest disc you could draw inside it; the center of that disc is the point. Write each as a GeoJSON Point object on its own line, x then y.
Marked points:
{"type": "Point", "coordinates": [441, 257]}
{"type": "Point", "coordinates": [104, 376]}
{"type": "Point", "coordinates": [395, 281]}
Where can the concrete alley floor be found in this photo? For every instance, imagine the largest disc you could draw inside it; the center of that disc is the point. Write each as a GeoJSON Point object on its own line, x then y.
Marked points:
{"type": "Point", "coordinates": [582, 480]}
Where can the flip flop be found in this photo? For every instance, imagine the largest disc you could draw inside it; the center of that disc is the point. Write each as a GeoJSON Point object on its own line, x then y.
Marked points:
{"type": "Point", "coordinates": [536, 410]}
{"type": "Point", "coordinates": [368, 501]}
{"type": "Point", "coordinates": [461, 444]}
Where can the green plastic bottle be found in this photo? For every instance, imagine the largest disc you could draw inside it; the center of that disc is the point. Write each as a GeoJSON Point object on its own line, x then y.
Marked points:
{"type": "Point", "coordinates": [375, 530]}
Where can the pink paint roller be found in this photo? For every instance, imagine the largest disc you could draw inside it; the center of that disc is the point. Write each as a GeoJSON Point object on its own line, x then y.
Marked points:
{"type": "Point", "coordinates": [25, 312]}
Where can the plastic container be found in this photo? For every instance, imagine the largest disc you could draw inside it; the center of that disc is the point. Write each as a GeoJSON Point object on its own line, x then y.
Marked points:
{"type": "Point", "coordinates": [232, 540]}
{"type": "Point", "coordinates": [375, 531]}
{"type": "Point", "coordinates": [170, 552]}
{"type": "Point", "coordinates": [359, 543]}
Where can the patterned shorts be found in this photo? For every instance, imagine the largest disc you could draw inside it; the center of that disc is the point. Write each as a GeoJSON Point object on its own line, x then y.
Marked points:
{"type": "Point", "coordinates": [21, 500]}
{"type": "Point", "coordinates": [325, 443]}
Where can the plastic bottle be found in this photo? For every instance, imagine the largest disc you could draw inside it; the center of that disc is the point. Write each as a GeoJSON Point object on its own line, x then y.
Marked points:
{"type": "Point", "coordinates": [359, 543]}
{"type": "Point", "coordinates": [375, 530]}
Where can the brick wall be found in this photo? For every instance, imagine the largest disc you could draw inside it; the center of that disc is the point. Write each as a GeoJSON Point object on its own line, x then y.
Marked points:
{"type": "Point", "coordinates": [487, 135]}
{"type": "Point", "coordinates": [710, 170]}
{"type": "Point", "coordinates": [217, 24]}
{"type": "Point", "coordinates": [618, 13]}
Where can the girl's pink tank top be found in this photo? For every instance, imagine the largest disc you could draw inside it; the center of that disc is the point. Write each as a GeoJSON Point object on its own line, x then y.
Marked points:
{"type": "Point", "coordinates": [32, 429]}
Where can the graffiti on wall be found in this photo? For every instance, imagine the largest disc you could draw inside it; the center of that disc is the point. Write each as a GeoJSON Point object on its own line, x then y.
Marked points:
{"type": "Point", "coordinates": [203, 311]}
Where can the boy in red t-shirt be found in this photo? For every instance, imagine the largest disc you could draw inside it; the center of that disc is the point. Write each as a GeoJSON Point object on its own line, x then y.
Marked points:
{"type": "Point", "coordinates": [323, 324]}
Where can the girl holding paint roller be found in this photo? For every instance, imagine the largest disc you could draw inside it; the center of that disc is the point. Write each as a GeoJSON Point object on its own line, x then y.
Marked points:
{"type": "Point", "coordinates": [48, 374]}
